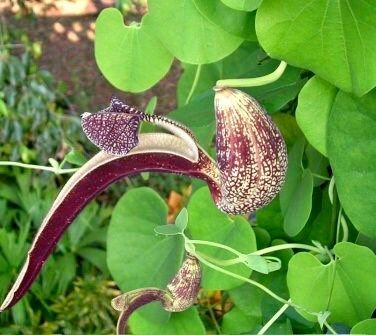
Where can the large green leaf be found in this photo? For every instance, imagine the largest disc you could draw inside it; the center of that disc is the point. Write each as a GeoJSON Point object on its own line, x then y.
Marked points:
{"type": "Point", "coordinates": [137, 257]}
{"type": "Point", "coordinates": [352, 154]}
{"type": "Point", "coordinates": [312, 114]}
{"type": "Point", "coordinates": [366, 327]}
{"type": "Point", "coordinates": [235, 22]}
{"type": "Point", "coordinates": [346, 286]}
{"type": "Point", "coordinates": [130, 57]}
{"type": "Point", "coordinates": [333, 38]}
{"type": "Point", "coordinates": [207, 222]}
{"type": "Point", "coordinates": [182, 323]}
{"type": "Point", "coordinates": [187, 34]}
{"type": "Point", "coordinates": [246, 313]}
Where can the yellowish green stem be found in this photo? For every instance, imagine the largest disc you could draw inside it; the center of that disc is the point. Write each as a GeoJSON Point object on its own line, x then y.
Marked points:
{"type": "Point", "coordinates": [274, 318]}
{"type": "Point", "coordinates": [258, 81]}
{"type": "Point", "coordinates": [194, 84]}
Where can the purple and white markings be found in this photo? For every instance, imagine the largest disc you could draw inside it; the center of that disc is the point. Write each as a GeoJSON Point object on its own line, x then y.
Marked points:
{"type": "Point", "coordinates": [114, 129]}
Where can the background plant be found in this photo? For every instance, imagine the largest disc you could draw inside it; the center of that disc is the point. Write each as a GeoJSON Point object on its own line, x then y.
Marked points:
{"type": "Point", "coordinates": [324, 106]}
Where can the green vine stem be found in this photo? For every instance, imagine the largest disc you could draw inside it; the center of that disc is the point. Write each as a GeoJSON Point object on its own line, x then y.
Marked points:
{"type": "Point", "coordinates": [205, 259]}
{"type": "Point", "coordinates": [258, 81]}
{"type": "Point", "coordinates": [194, 84]}
{"type": "Point", "coordinates": [319, 176]}
{"type": "Point", "coordinates": [274, 318]}
{"type": "Point", "coordinates": [242, 256]}
{"type": "Point", "coordinates": [248, 280]}
{"type": "Point", "coordinates": [330, 328]}
{"type": "Point", "coordinates": [38, 167]}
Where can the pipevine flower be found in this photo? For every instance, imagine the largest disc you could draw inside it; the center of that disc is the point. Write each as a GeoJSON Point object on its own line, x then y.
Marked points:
{"type": "Point", "coordinates": [249, 171]}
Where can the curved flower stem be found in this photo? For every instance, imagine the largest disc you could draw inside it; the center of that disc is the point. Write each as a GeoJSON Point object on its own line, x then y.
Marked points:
{"type": "Point", "coordinates": [251, 82]}
{"type": "Point", "coordinates": [194, 84]}
{"type": "Point", "coordinates": [220, 262]}
{"type": "Point", "coordinates": [345, 228]}
{"type": "Point", "coordinates": [319, 176]}
{"type": "Point", "coordinates": [338, 223]}
{"type": "Point", "coordinates": [241, 256]}
{"type": "Point", "coordinates": [38, 167]}
{"type": "Point", "coordinates": [286, 246]}
{"type": "Point", "coordinates": [274, 318]}
{"type": "Point", "coordinates": [216, 245]}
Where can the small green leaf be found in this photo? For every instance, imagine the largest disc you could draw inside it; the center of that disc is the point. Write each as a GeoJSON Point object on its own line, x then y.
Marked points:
{"type": "Point", "coordinates": [167, 229]}
{"type": "Point", "coordinates": [54, 163]}
{"type": "Point", "coordinates": [246, 5]}
{"type": "Point", "coordinates": [314, 107]}
{"type": "Point", "coordinates": [352, 155]}
{"type": "Point", "coordinates": [130, 57]}
{"type": "Point", "coordinates": [331, 38]}
{"type": "Point", "coordinates": [75, 157]}
{"type": "Point", "coordinates": [207, 222]}
{"type": "Point", "coordinates": [273, 263]}
{"type": "Point", "coordinates": [181, 220]}
{"type": "Point", "coordinates": [365, 327]}
{"type": "Point", "coordinates": [345, 287]}
{"type": "Point", "coordinates": [187, 34]}
{"type": "Point", "coordinates": [257, 263]}
{"type": "Point", "coordinates": [296, 194]}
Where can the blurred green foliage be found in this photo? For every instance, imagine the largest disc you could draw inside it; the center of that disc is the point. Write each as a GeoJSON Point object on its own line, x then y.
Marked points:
{"type": "Point", "coordinates": [31, 103]}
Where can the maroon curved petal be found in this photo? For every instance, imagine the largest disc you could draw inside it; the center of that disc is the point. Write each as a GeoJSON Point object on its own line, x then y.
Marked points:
{"type": "Point", "coordinates": [98, 173]}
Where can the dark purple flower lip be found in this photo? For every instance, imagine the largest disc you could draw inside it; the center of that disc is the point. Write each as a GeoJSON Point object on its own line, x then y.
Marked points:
{"type": "Point", "coordinates": [151, 154]}
{"type": "Point", "coordinates": [250, 167]}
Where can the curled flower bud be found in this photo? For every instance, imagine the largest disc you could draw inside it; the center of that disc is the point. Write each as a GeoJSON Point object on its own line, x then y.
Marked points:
{"type": "Point", "coordinates": [249, 172]}
{"type": "Point", "coordinates": [180, 294]}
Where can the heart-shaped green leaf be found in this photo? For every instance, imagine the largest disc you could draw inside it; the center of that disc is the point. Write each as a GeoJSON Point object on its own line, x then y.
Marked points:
{"type": "Point", "coordinates": [352, 154]}
{"type": "Point", "coordinates": [332, 38]}
{"type": "Point", "coordinates": [137, 257]}
{"type": "Point", "coordinates": [181, 220]}
{"type": "Point", "coordinates": [345, 287]}
{"type": "Point", "coordinates": [366, 327]}
{"type": "Point", "coordinates": [130, 57]}
{"type": "Point", "coordinates": [187, 34]}
{"type": "Point", "coordinates": [314, 107]}
{"type": "Point", "coordinates": [207, 222]}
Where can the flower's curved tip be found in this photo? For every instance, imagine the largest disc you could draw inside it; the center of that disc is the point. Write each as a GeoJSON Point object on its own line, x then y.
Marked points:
{"type": "Point", "coordinates": [86, 114]}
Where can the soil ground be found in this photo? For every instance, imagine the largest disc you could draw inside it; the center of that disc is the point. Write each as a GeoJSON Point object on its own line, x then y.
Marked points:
{"type": "Point", "coordinates": [66, 30]}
